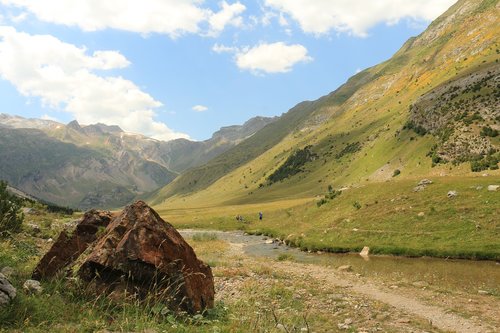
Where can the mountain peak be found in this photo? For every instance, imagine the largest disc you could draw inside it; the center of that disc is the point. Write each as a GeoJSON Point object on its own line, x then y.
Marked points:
{"type": "Point", "coordinates": [74, 125]}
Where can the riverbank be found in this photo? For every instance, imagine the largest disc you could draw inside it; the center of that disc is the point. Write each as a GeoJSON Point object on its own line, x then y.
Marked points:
{"type": "Point", "coordinates": [392, 218]}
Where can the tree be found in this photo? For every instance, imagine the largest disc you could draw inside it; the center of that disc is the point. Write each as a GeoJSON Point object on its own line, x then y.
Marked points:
{"type": "Point", "coordinates": [11, 216]}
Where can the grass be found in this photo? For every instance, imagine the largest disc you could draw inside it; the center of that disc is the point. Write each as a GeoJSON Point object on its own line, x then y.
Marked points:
{"type": "Point", "coordinates": [386, 217]}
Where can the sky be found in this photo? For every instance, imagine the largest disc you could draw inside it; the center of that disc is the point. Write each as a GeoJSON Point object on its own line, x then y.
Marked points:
{"type": "Point", "coordinates": [184, 68]}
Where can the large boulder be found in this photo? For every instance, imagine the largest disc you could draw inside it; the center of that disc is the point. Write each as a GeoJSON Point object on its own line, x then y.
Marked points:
{"type": "Point", "coordinates": [142, 254]}
{"type": "Point", "coordinates": [70, 245]}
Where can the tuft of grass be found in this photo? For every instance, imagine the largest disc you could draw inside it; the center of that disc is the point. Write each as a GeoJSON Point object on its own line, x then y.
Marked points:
{"type": "Point", "coordinates": [285, 257]}
{"type": "Point", "coordinates": [205, 237]}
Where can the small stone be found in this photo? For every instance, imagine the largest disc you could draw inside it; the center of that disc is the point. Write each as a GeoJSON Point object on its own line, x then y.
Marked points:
{"type": "Point", "coordinates": [424, 182]}
{"type": "Point", "coordinates": [419, 188]}
{"type": "Point", "coordinates": [32, 287]}
{"type": "Point", "coordinates": [479, 188]}
{"type": "Point", "coordinates": [269, 241]}
{"type": "Point", "coordinates": [421, 214]}
{"type": "Point", "coordinates": [452, 194]}
{"type": "Point", "coordinates": [420, 284]}
{"type": "Point", "coordinates": [483, 292]}
{"type": "Point", "coordinates": [7, 271]}
{"type": "Point", "coordinates": [345, 268]}
{"type": "Point", "coordinates": [7, 291]}
{"type": "Point", "coordinates": [50, 240]}
{"type": "Point", "coordinates": [493, 188]}
{"type": "Point", "coordinates": [365, 251]}
{"type": "Point", "coordinates": [280, 327]}
{"type": "Point", "coordinates": [348, 321]}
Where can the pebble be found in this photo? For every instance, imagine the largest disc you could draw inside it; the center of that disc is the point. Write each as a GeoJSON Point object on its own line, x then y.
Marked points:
{"type": "Point", "coordinates": [32, 286]}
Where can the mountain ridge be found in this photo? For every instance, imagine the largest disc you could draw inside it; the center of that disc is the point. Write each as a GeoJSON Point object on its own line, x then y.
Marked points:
{"type": "Point", "coordinates": [357, 131]}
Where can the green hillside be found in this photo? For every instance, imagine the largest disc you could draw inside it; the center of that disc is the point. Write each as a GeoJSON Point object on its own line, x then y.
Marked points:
{"type": "Point", "coordinates": [368, 133]}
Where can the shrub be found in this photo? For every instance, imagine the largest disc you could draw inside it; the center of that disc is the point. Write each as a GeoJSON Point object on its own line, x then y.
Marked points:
{"type": "Point", "coordinates": [410, 125]}
{"type": "Point", "coordinates": [356, 205]}
{"type": "Point", "coordinates": [11, 216]}
{"type": "Point", "coordinates": [397, 172]}
{"type": "Point", "coordinates": [488, 131]}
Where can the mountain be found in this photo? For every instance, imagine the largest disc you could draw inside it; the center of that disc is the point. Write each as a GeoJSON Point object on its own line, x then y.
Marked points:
{"type": "Point", "coordinates": [99, 165]}
{"type": "Point", "coordinates": [432, 109]}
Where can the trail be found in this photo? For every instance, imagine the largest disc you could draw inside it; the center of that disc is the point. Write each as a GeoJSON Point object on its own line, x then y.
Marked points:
{"type": "Point", "coordinates": [437, 316]}
{"type": "Point", "coordinates": [409, 301]}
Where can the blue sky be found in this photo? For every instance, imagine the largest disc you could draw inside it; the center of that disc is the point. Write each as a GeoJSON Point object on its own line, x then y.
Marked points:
{"type": "Point", "coordinates": [184, 68]}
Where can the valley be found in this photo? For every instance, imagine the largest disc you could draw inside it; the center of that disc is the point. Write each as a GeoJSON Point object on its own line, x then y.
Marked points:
{"type": "Point", "coordinates": [259, 228]}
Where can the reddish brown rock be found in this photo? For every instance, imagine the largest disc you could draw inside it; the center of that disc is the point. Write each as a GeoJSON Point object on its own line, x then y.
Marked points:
{"type": "Point", "coordinates": [68, 247]}
{"type": "Point", "coordinates": [144, 255]}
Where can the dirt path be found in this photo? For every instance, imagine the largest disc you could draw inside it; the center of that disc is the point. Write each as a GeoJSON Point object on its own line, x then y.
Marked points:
{"type": "Point", "coordinates": [437, 317]}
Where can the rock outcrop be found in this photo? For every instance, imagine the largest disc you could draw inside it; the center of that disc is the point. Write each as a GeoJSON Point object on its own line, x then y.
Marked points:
{"type": "Point", "coordinates": [139, 254]}
{"type": "Point", "coordinates": [69, 246]}
{"type": "Point", "coordinates": [7, 291]}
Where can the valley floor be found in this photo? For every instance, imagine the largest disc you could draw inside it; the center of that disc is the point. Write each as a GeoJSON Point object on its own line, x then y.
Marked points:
{"type": "Point", "coordinates": [316, 298]}
{"type": "Point", "coordinates": [452, 217]}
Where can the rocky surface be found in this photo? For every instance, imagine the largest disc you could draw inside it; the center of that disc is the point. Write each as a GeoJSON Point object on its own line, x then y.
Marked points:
{"type": "Point", "coordinates": [143, 253]}
{"type": "Point", "coordinates": [33, 287]}
{"type": "Point", "coordinates": [134, 253]}
{"type": "Point", "coordinates": [457, 111]}
{"type": "Point", "coordinates": [70, 245]}
{"type": "Point", "coordinates": [7, 291]}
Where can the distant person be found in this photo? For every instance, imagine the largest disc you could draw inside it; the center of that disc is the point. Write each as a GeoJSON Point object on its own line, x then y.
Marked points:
{"type": "Point", "coordinates": [260, 216]}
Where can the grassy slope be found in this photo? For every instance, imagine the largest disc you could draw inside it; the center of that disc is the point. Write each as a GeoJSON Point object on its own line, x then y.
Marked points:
{"type": "Point", "coordinates": [372, 114]}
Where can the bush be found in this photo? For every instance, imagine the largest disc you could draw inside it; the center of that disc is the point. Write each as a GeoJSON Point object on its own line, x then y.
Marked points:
{"type": "Point", "coordinates": [488, 131]}
{"type": "Point", "coordinates": [397, 172]}
{"type": "Point", "coordinates": [487, 162]}
{"type": "Point", "coordinates": [11, 216]}
{"type": "Point", "coordinates": [410, 125]}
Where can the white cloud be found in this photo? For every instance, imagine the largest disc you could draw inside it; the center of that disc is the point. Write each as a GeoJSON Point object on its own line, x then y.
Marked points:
{"type": "Point", "coordinates": [62, 76]}
{"type": "Point", "coordinates": [220, 48]}
{"type": "Point", "coordinates": [200, 108]}
{"type": "Point", "coordinates": [356, 16]}
{"type": "Point", "coordinates": [228, 15]}
{"type": "Point", "coordinates": [271, 58]}
{"type": "Point", "coordinates": [170, 17]}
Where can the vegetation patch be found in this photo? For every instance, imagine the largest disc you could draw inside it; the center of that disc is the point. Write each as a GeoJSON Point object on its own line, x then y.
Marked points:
{"type": "Point", "coordinates": [293, 165]}
{"type": "Point", "coordinates": [11, 216]}
{"type": "Point", "coordinates": [350, 148]}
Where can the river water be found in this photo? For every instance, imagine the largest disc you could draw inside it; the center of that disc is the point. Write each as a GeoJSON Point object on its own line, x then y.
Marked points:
{"type": "Point", "coordinates": [439, 274]}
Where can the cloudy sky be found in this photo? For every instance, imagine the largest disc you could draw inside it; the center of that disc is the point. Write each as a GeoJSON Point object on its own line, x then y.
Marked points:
{"type": "Point", "coordinates": [184, 68]}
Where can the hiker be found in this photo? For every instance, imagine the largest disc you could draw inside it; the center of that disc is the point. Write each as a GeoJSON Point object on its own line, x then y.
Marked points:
{"type": "Point", "coordinates": [260, 216]}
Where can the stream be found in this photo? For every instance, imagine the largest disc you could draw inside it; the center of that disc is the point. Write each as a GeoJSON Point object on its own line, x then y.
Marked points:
{"type": "Point", "coordinates": [439, 274]}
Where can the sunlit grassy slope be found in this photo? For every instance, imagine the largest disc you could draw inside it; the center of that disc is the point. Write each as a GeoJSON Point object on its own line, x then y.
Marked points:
{"type": "Point", "coordinates": [367, 113]}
